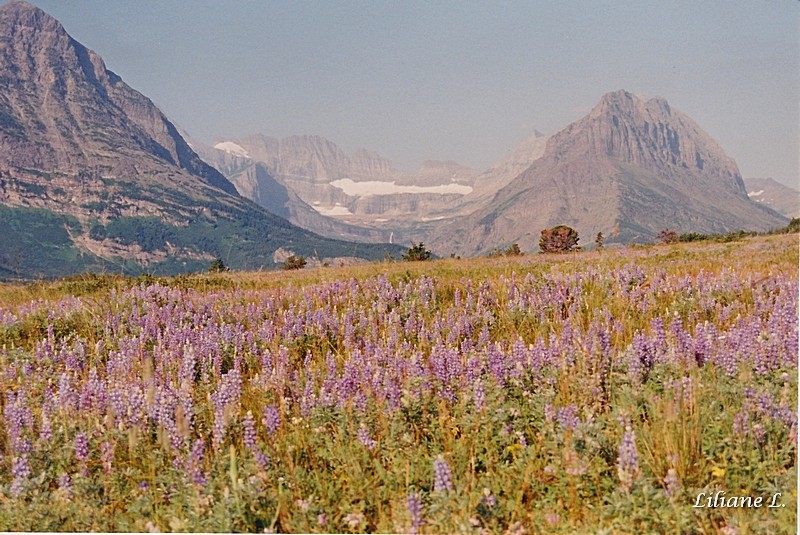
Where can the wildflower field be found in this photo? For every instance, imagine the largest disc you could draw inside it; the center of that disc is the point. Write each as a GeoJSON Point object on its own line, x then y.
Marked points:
{"type": "Point", "coordinates": [589, 392]}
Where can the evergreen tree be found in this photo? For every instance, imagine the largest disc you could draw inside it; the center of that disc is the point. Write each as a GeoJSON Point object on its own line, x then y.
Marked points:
{"type": "Point", "coordinates": [559, 239]}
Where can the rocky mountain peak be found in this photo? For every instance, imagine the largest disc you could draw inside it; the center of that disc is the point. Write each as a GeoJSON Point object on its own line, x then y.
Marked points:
{"type": "Point", "coordinates": [627, 128]}
{"type": "Point", "coordinates": [61, 109]}
{"type": "Point", "coordinates": [624, 102]}
{"type": "Point", "coordinates": [446, 165]}
{"type": "Point", "coordinates": [370, 164]}
{"type": "Point", "coordinates": [29, 31]}
{"type": "Point", "coordinates": [309, 158]}
{"type": "Point", "coordinates": [630, 168]}
{"type": "Point", "coordinates": [27, 15]}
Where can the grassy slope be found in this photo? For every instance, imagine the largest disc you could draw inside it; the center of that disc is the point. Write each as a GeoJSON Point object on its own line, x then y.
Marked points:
{"type": "Point", "coordinates": [345, 477]}
{"type": "Point", "coordinates": [683, 257]}
{"type": "Point", "coordinates": [37, 243]}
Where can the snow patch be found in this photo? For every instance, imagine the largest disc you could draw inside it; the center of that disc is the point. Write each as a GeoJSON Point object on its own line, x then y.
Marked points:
{"type": "Point", "coordinates": [232, 148]}
{"type": "Point", "coordinates": [333, 211]}
{"type": "Point", "coordinates": [755, 193]}
{"type": "Point", "coordinates": [375, 187]}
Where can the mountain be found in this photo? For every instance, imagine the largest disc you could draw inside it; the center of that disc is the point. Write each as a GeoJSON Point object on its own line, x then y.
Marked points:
{"type": "Point", "coordinates": [94, 176]}
{"type": "Point", "coordinates": [489, 182]}
{"type": "Point", "coordinates": [322, 189]}
{"type": "Point", "coordinates": [768, 192]}
{"type": "Point", "coordinates": [61, 109]}
{"type": "Point", "coordinates": [308, 158]}
{"type": "Point", "coordinates": [629, 169]}
{"type": "Point", "coordinates": [254, 180]}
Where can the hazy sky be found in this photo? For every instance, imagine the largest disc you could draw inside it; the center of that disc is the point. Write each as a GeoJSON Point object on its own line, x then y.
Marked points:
{"type": "Point", "coordinates": [446, 80]}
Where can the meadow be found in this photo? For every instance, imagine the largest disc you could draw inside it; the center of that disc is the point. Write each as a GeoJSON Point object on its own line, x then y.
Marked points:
{"type": "Point", "coordinates": [597, 392]}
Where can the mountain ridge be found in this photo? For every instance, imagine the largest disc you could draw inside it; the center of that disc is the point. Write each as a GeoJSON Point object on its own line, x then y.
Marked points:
{"type": "Point", "coordinates": [107, 179]}
{"type": "Point", "coordinates": [628, 169]}
{"type": "Point", "coordinates": [773, 194]}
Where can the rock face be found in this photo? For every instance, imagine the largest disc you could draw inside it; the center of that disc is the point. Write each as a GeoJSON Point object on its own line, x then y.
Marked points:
{"type": "Point", "coordinates": [313, 159]}
{"type": "Point", "coordinates": [773, 194]}
{"type": "Point", "coordinates": [359, 197]}
{"type": "Point", "coordinates": [61, 109]}
{"type": "Point", "coordinates": [488, 183]}
{"type": "Point", "coordinates": [254, 180]}
{"type": "Point", "coordinates": [81, 150]}
{"type": "Point", "coordinates": [629, 169]}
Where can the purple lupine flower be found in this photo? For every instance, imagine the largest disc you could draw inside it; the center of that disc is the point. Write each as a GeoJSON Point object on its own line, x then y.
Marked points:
{"type": "Point", "coordinates": [478, 396]}
{"type": "Point", "coordinates": [67, 398]}
{"type": "Point", "coordinates": [671, 483]}
{"type": "Point", "coordinates": [365, 439]}
{"type": "Point", "coordinates": [415, 512]}
{"type": "Point", "coordinates": [483, 337]}
{"type": "Point", "coordinates": [567, 417]}
{"type": "Point", "coordinates": [65, 484]}
{"type": "Point", "coordinates": [659, 342]}
{"type": "Point", "coordinates": [261, 458]}
{"type": "Point", "coordinates": [249, 431]}
{"type": "Point", "coordinates": [14, 419]}
{"type": "Point", "coordinates": [740, 421]}
{"type": "Point", "coordinates": [81, 447]}
{"type": "Point", "coordinates": [701, 351]}
{"type": "Point", "coordinates": [642, 358]}
{"type": "Point", "coordinates": [107, 456]}
{"type": "Point", "coordinates": [497, 363]}
{"type": "Point", "coordinates": [759, 433]}
{"type": "Point", "coordinates": [226, 401]}
{"type": "Point", "coordinates": [442, 480]}
{"type": "Point", "coordinates": [93, 394]}
{"type": "Point", "coordinates": [549, 412]}
{"type": "Point", "coordinates": [194, 462]}
{"type": "Point", "coordinates": [628, 459]}
{"type": "Point", "coordinates": [20, 469]}
{"type": "Point", "coordinates": [46, 429]}
{"type": "Point", "coordinates": [272, 418]}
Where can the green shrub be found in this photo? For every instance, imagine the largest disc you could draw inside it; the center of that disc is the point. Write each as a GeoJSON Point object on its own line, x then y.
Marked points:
{"type": "Point", "coordinates": [668, 236]}
{"type": "Point", "coordinates": [217, 266]}
{"type": "Point", "coordinates": [294, 262]}
{"type": "Point", "coordinates": [417, 252]}
{"type": "Point", "coordinates": [559, 239]}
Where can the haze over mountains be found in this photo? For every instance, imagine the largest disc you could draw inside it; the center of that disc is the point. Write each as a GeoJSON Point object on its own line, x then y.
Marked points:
{"type": "Point", "coordinates": [94, 176]}
{"type": "Point", "coordinates": [629, 169]}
